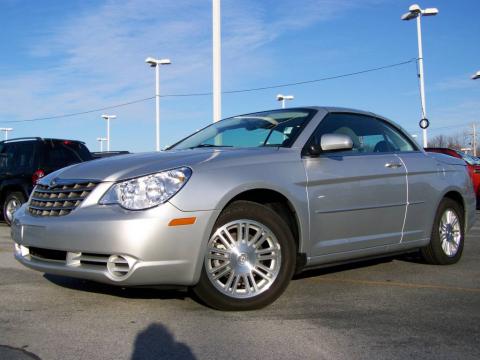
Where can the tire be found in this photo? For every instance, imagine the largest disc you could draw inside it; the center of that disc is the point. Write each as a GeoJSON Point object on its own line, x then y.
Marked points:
{"type": "Point", "coordinates": [446, 246]}
{"type": "Point", "coordinates": [250, 281]}
{"type": "Point", "coordinates": [12, 202]}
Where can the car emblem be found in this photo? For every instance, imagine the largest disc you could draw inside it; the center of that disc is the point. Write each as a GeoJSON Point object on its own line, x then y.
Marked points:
{"type": "Point", "coordinates": [52, 184]}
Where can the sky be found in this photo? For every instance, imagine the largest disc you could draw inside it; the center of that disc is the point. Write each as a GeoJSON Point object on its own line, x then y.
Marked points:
{"type": "Point", "coordinates": [64, 57]}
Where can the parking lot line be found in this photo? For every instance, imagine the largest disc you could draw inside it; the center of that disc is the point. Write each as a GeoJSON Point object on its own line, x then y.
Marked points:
{"type": "Point", "coordinates": [397, 284]}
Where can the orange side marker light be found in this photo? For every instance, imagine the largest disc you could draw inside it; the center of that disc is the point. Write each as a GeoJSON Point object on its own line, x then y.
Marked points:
{"type": "Point", "coordinates": [182, 221]}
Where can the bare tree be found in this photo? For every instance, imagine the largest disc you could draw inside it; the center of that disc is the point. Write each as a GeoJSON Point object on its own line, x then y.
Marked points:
{"type": "Point", "coordinates": [438, 141]}
{"type": "Point", "coordinates": [456, 142]}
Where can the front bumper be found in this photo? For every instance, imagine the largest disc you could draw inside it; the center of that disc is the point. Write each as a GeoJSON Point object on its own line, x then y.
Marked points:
{"type": "Point", "coordinates": [89, 242]}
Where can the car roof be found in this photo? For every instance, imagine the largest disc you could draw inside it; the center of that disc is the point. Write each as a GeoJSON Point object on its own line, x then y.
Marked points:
{"type": "Point", "coordinates": [37, 139]}
{"type": "Point", "coordinates": [339, 109]}
{"type": "Point", "coordinates": [324, 108]}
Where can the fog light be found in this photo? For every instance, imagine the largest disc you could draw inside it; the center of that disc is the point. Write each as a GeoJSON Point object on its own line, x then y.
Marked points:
{"type": "Point", "coordinates": [119, 266]}
{"type": "Point", "coordinates": [21, 250]}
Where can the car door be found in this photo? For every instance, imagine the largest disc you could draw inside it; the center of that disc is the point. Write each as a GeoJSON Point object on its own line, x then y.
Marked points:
{"type": "Point", "coordinates": [423, 173]}
{"type": "Point", "coordinates": [357, 198]}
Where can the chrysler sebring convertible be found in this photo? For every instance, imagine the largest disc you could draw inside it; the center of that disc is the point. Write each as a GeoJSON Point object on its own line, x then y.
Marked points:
{"type": "Point", "coordinates": [235, 209]}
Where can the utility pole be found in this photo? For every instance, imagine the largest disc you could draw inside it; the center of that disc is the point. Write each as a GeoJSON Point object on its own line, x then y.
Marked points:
{"type": "Point", "coordinates": [474, 141]}
{"type": "Point", "coordinates": [476, 76]}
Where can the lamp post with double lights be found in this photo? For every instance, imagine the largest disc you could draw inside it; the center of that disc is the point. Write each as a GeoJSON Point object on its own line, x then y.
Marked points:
{"type": "Point", "coordinates": [283, 98]}
{"type": "Point", "coordinates": [108, 118]}
{"type": "Point", "coordinates": [101, 140]}
{"type": "Point", "coordinates": [415, 12]}
{"type": "Point", "coordinates": [6, 131]}
{"type": "Point", "coordinates": [155, 63]}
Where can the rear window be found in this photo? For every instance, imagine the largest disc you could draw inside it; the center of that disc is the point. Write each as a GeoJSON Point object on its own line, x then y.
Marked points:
{"type": "Point", "coordinates": [17, 156]}
{"type": "Point", "coordinates": [59, 154]}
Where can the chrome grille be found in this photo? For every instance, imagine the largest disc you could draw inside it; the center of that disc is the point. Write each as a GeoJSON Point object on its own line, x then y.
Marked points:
{"type": "Point", "coordinates": [60, 199]}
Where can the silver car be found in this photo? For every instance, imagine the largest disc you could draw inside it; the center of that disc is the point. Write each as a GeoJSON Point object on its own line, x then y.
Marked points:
{"type": "Point", "coordinates": [235, 209]}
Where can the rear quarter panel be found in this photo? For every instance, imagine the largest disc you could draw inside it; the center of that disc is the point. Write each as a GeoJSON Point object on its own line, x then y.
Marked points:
{"type": "Point", "coordinates": [453, 175]}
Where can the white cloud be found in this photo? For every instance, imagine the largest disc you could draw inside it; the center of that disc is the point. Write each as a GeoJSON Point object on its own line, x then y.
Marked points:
{"type": "Point", "coordinates": [459, 82]}
{"type": "Point", "coordinates": [97, 56]}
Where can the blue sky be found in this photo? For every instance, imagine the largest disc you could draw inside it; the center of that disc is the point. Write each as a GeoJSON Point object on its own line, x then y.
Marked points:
{"type": "Point", "coordinates": [59, 57]}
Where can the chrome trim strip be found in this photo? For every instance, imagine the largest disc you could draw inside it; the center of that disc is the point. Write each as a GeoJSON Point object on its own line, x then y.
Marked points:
{"type": "Point", "coordinates": [359, 208]}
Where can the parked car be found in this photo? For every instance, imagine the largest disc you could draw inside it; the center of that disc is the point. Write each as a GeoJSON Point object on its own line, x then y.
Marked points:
{"type": "Point", "coordinates": [473, 166]}
{"type": "Point", "coordinates": [235, 209]}
{"type": "Point", "coordinates": [104, 154]}
{"type": "Point", "coordinates": [24, 161]}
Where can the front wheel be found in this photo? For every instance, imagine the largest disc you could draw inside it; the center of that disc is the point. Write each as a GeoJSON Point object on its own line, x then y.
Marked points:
{"type": "Point", "coordinates": [250, 258]}
{"type": "Point", "coordinates": [447, 238]}
{"type": "Point", "coordinates": [12, 203]}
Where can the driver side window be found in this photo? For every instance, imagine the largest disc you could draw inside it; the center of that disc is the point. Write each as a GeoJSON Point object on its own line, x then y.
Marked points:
{"type": "Point", "coordinates": [368, 134]}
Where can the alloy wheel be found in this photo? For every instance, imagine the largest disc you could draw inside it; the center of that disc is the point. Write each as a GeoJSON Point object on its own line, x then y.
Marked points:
{"type": "Point", "coordinates": [243, 258]}
{"type": "Point", "coordinates": [450, 232]}
{"type": "Point", "coordinates": [12, 206]}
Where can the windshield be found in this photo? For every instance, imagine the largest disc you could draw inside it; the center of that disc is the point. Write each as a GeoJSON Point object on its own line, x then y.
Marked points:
{"type": "Point", "coordinates": [271, 128]}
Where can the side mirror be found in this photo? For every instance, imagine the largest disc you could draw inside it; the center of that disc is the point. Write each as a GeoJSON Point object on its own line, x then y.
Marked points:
{"type": "Point", "coordinates": [335, 142]}
{"type": "Point", "coordinates": [331, 142]}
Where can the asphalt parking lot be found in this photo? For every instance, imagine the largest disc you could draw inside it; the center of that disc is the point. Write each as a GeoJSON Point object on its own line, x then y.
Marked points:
{"type": "Point", "coordinates": [394, 308]}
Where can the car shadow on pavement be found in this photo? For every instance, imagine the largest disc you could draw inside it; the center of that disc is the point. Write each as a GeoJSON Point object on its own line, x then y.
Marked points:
{"type": "Point", "coordinates": [157, 342]}
{"type": "Point", "coordinates": [344, 267]}
{"type": "Point", "coordinates": [125, 292]}
{"type": "Point", "coordinates": [413, 257]}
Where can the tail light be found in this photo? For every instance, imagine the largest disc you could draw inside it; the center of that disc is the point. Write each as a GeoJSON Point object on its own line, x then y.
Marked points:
{"type": "Point", "coordinates": [37, 175]}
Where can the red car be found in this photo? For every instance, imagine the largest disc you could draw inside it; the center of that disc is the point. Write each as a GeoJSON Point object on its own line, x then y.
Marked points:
{"type": "Point", "coordinates": [473, 165]}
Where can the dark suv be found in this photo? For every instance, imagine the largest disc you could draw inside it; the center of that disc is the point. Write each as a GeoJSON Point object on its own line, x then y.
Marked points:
{"type": "Point", "coordinates": [25, 160]}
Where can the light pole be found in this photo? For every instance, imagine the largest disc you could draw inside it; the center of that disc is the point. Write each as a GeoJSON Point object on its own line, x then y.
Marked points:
{"type": "Point", "coordinates": [156, 64]}
{"type": "Point", "coordinates": [415, 12]}
{"type": "Point", "coordinates": [108, 118]}
{"type": "Point", "coordinates": [101, 140]}
{"type": "Point", "coordinates": [6, 130]}
{"type": "Point", "coordinates": [217, 61]}
{"type": "Point", "coordinates": [282, 98]}
{"type": "Point", "coordinates": [476, 75]}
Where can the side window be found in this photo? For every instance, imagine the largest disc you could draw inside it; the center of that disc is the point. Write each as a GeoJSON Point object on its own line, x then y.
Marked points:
{"type": "Point", "coordinates": [398, 140]}
{"type": "Point", "coordinates": [368, 134]}
{"type": "Point", "coordinates": [6, 158]}
{"type": "Point", "coordinates": [18, 156]}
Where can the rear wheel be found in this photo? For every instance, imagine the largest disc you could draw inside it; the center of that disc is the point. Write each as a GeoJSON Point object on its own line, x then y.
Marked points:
{"type": "Point", "coordinates": [250, 258]}
{"type": "Point", "coordinates": [12, 203]}
{"type": "Point", "coordinates": [447, 238]}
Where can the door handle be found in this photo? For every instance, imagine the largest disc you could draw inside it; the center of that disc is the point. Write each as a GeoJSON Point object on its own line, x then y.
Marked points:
{"type": "Point", "coordinates": [393, 165]}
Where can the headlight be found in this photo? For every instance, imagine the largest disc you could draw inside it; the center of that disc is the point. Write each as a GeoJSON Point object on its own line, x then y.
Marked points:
{"type": "Point", "coordinates": [147, 191]}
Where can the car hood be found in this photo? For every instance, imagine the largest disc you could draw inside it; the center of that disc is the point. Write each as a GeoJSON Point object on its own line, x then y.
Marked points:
{"type": "Point", "coordinates": [134, 165]}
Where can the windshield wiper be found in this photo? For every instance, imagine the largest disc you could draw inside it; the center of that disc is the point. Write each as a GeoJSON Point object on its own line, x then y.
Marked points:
{"type": "Point", "coordinates": [208, 146]}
